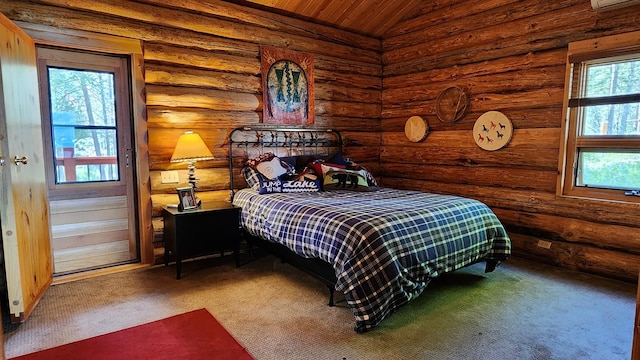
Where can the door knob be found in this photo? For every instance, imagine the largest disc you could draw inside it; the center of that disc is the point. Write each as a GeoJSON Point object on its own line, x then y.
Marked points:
{"type": "Point", "coordinates": [22, 160]}
{"type": "Point", "coordinates": [1, 160]}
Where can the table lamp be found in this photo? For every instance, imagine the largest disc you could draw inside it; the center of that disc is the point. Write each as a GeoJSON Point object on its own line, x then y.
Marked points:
{"type": "Point", "coordinates": [190, 148]}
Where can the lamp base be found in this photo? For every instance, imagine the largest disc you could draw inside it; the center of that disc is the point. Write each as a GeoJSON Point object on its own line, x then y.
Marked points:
{"type": "Point", "coordinates": [193, 180]}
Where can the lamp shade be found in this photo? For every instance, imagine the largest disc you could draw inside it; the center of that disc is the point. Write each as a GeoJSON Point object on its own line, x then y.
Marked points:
{"type": "Point", "coordinates": [189, 148]}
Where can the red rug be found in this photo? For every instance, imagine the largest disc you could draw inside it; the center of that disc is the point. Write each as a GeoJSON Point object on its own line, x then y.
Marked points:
{"type": "Point", "coordinates": [195, 335]}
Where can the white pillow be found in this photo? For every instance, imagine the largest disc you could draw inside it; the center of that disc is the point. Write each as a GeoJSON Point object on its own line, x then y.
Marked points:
{"type": "Point", "coordinates": [271, 169]}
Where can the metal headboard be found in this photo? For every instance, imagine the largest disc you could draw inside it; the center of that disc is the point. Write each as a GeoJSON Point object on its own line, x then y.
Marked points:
{"type": "Point", "coordinates": [252, 141]}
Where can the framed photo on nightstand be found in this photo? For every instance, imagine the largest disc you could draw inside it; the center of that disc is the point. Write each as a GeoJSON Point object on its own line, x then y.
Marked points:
{"type": "Point", "coordinates": [186, 199]}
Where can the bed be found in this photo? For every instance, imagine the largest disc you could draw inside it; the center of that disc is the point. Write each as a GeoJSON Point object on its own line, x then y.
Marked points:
{"type": "Point", "coordinates": [380, 247]}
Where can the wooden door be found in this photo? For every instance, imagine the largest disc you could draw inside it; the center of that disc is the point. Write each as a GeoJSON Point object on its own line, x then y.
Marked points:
{"type": "Point", "coordinates": [24, 214]}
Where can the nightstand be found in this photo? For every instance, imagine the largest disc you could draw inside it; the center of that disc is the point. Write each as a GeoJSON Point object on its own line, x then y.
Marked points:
{"type": "Point", "coordinates": [204, 231]}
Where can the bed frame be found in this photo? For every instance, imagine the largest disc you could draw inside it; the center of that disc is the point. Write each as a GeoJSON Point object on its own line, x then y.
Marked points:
{"type": "Point", "coordinates": [248, 142]}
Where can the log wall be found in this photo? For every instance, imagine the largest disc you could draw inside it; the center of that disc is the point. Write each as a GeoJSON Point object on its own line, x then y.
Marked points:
{"type": "Point", "coordinates": [202, 73]}
{"type": "Point", "coordinates": [510, 57]}
{"type": "Point", "coordinates": [201, 61]}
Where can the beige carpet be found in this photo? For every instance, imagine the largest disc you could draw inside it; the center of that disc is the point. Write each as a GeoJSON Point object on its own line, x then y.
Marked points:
{"type": "Point", "coordinates": [524, 310]}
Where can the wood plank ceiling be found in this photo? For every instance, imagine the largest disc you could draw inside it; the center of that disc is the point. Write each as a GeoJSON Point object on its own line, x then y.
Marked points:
{"type": "Point", "coordinates": [367, 17]}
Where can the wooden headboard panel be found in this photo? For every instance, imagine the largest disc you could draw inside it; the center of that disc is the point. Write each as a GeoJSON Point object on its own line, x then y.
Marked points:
{"type": "Point", "coordinates": [248, 142]}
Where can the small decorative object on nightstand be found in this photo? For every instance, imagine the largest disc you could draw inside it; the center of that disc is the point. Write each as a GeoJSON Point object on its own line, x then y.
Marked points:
{"type": "Point", "coordinates": [186, 199]}
{"type": "Point", "coordinates": [203, 231]}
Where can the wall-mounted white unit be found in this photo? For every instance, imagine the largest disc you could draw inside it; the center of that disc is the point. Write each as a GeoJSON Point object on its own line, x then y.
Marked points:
{"type": "Point", "coordinates": [605, 5]}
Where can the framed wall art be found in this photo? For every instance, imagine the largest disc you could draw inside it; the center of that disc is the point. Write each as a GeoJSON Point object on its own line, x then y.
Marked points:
{"type": "Point", "coordinates": [287, 83]}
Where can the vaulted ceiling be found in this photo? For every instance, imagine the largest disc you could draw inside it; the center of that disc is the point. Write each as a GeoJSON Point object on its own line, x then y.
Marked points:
{"type": "Point", "coordinates": [367, 17]}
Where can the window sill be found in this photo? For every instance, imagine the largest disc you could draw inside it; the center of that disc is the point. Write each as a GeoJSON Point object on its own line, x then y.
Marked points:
{"type": "Point", "coordinates": [617, 199]}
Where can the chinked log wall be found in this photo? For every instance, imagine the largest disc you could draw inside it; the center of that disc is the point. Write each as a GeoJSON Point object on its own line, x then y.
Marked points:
{"type": "Point", "coordinates": [202, 68]}
{"type": "Point", "coordinates": [202, 73]}
{"type": "Point", "coordinates": [510, 56]}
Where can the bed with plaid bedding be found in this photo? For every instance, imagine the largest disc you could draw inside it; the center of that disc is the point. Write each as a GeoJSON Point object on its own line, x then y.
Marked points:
{"type": "Point", "coordinates": [385, 246]}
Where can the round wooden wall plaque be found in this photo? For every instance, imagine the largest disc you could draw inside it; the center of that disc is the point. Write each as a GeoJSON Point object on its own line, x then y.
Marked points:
{"type": "Point", "coordinates": [416, 129]}
{"type": "Point", "coordinates": [451, 104]}
{"type": "Point", "coordinates": [492, 130]}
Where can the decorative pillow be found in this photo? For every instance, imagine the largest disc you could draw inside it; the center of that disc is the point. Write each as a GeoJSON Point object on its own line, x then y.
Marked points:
{"type": "Point", "coordinates": [271, 169]}
{"type": "Point", "coordinates": [317, 166]}
{"type": "Point", "coordinates": [291, 161]}
{"type": "Point", "coordinates": [252, 177]}
{"type": "Point", "coordinates": [308, 174]}
{"type": "Point", "coordinates": [258, 159]}
{"type": "Point", "coordinates": [343, 179]}
{"type": "Point", "coordinates": [338, 161]}
{"type": "Point", "coordinates": [270, 165]}
{"type": "Point", "coordinates": [352, 165]}
{"type": "Point", "coordinates": [298, 162]}
{"type": "Point", "coordinates": [288, 186]}
{"type": "Point", "coordinates": [370, 179]}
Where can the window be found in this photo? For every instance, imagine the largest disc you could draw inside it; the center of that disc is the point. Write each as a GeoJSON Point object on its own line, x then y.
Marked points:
{"type": "Point", "coordinates": [83, 125]}
{"type": "Point", "coordinates": [601, 143]}
{"type": "Point", "coordinates": [86, 121]}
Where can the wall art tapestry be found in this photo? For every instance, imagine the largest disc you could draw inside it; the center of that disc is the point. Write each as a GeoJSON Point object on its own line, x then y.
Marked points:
{"type": "Point", "coordinates": [287, 83]}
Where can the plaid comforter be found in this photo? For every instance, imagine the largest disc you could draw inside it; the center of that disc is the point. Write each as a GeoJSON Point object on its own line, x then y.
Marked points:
{"type": "Point", "coordinates": [385, 246]}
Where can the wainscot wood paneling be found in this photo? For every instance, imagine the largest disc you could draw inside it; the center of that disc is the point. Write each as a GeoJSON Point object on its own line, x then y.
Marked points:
{"type": "Point", "coordinates": [510, 57]}
{"type": "Point", "coordinates": [76, 258]}
{"type": "Point", "coordinates": [103, 233]}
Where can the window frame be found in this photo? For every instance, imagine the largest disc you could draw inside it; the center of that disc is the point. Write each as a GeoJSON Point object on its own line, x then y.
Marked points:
{"type": "Point", "coordinates": [609, 49]}
{"type": "Point", "coordinates": [72, 59]}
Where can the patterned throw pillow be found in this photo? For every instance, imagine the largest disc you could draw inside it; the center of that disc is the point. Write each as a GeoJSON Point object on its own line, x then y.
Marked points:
{"type": "Point", "coordinates": [288, 186]}
{"type": "Point", "coordinates": [317, 166]}
{"type": "Point", "coordinates": [272, 169]}
{"type": "Point", "coordinates": [252, 177]}
{"type": "Point", "coordinates": [270, 166]}
{"type": "Point", "coordinates": [306, 174]}
{"type": "Point", "coordinates": [352, 165]}
{"type": "Point", "coordinates": [343, 179]}
{"type": "Point", "coordinates": [343, 163]}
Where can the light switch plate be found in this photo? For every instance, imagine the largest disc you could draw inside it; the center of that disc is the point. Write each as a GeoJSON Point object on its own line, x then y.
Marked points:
{"type": "Point", "coordinates": [544, 244]}
{"type": "Point", "coordinates": [169, 177]}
